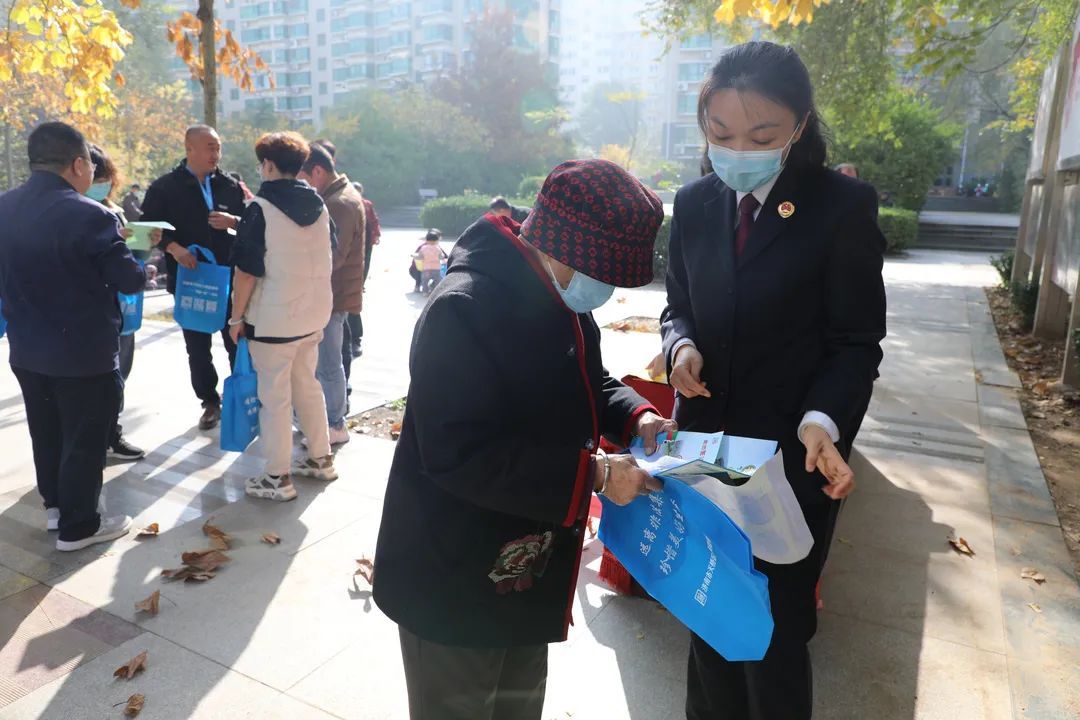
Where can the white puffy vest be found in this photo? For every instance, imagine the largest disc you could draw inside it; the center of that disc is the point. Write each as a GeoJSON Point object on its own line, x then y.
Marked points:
{"type": "Point", "coordinates": [293, 298]}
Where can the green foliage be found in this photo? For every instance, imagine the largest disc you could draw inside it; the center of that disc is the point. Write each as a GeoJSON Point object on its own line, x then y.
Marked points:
{"type": "Point", "coordinates": [453, 214]}
{"type": "Point", "coordinates": [529, 187]}
{"type": "Point", "coordinates": [1025, 298]}
{"type": "Point", "coordinates": [1004, 265]}
{"type": "Point", "coordinates": [900, 228]}
{"type": "Point", "coordinates": [611, 116]}
{"type": "Point", "coordinates": [660, 250]}
{"type": "Point", "coordinates": [397, 405]}
{"type": "Point", "coordinates": [906, 163]}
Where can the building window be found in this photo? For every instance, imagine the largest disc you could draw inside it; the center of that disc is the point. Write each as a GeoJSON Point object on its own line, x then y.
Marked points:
{"type": "Point", "coordinates": [692, 72]}
{"type": "Point", "coordinates": [294, 102]}
{"type": "Point", "coordinates": [696, 42]}
{"type": "Point", "coordinates": [255, 35]}
{"type": "Point", "coordinates": [322, 40]}
{"type": "Point", "coordinates": [259, 104]}
{"type": "Point", "coordinates": [296, 79]}
{"type": "Point", "coordinates": [687, 103]}
{"type": "Point", "coordinates": [322, 88]}
{"type": "Point", "coordinates": [322, 63]}
{"type": "Point", "coordinates": [435, 33]}
{"type": "Point", "coordinates": [393, 41]}
{"type": "Point", "coordinates": [234, 94]}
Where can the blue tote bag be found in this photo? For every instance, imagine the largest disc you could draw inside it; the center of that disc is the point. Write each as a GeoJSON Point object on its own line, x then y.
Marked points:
{"type": "Point", "coordinates": [689, 555]}
{"type": "Point", "coordinates": [202, 294]}
{"type": "Point", "coordinates": [240, 403]}
{"type": "Point", "coordinates": [131, 311]}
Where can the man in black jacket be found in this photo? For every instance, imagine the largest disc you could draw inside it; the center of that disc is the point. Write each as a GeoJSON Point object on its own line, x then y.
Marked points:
{"type": "Point", "coordinates": [204, 204]}
{"type": "Point", "coordinates": [62, 262]}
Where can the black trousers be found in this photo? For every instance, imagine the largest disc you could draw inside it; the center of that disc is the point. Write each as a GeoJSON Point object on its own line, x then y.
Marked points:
{"type": "Point", "coordinates": [127, 359]}
{"type": "Point", "coordinates": [70, 420]}
{"type": "Point", "coordinates": [457, 683]}
{"type": "Point", "coordinates": [204, 377]}
{"type": "Point", "coordinates": [356, 326]}
{"type": "Point", "coordinates": [367, 259]}
{"type": "Point", "coordinates": [780, 685]}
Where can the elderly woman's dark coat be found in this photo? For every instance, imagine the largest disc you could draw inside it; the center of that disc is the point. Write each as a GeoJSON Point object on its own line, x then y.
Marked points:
{"type": "Point", "coordinates": [486, 505]}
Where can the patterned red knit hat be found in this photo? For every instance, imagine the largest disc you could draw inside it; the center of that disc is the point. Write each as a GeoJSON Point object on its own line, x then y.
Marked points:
{"type": "Point", "coordinates": [593, 216]}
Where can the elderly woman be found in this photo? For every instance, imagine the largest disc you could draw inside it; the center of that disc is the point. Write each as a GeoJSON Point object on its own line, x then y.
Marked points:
{"type": "Point", "coordinates": [482, 526]}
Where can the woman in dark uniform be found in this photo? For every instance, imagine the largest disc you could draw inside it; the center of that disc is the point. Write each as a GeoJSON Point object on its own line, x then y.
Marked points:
{"type": "Point", "coordinates": [776, 310]}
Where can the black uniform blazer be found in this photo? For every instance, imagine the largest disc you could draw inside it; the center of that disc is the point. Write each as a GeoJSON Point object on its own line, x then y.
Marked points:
{"type": "Point", "coordinates": [794, 324]}
{"type": "Point", "coordinates": [485, 508]}
{"type": "Point", "coordinates": [175, 198]}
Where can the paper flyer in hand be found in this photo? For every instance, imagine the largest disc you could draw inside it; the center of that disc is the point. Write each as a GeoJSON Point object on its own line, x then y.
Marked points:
{"type": "Point", "coordinates": [745, 478]}
{"type": "Point", "coordinates": [141, 239]}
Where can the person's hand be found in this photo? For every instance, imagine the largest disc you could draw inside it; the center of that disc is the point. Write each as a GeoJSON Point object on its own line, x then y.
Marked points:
{"type": "Point", "coordinates": [822, 454]}
{"type": "Point", "coordinates": [650, 426]}
{"type": "Point", "coordinates": [183, 256]}
{"type": "Point", "coordinates": [127, 233]}
{"type": "Point", "coordinates": [223, 221]}
{"type": "Point", "coordinates": [627, 480]}
{"type": "Point", "coordinates": [686, 373]}
{"type": "Point", "coordinates": [236, 331]}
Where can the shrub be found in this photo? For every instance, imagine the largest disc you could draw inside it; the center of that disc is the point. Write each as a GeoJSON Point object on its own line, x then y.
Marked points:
{"type": "Point", "coordinates": [1025, 297]}
{"type": "Point", "coordinates": [900, 228]}
{"type": "Point", "coordinates": [530, 187]}
{"type": "Point", "coordinates": [454, 214]}
{"type": "Point", "coordinates": [1004, 265]}
{"type": "Point", "coordinates": [660, 250]}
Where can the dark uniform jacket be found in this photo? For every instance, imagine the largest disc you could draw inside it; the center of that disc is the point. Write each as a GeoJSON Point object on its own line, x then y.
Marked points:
{"type": "Point", "coordinates": [792, 325]}
{"type": "Point", "coordinates": [486, 504]}
{"type": "Point", "coordinates": [176, 199]}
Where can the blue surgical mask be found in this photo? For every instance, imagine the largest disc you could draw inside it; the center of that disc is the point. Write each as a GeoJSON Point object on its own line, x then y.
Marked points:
{"type": "Point", "coordinates": [584, 294]}
{"type": "Point", "coordinates": [747, 170]}
{"type": "Point", "coordinates": [99, 191]}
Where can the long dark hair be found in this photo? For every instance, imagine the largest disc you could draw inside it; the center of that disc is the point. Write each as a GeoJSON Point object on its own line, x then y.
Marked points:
{"type": "Point", "coordinates": [775, 72]}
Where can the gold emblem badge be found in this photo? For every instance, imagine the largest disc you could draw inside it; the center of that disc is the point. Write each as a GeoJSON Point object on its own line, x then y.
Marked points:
{"type": "Point", "coordinates": [786, 209]}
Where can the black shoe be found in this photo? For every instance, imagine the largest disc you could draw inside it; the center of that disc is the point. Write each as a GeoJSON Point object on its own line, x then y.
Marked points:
{"type": "Point", "coordinates": [356, 350]}
{"type": "Point", "coordinates": [121, 449]}
{"type": "Point", "coordinates": [210, 418]}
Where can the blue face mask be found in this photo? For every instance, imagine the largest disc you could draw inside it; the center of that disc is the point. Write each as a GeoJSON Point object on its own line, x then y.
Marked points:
{"type": "Point", "coordinates": [99, 192]}
{"type": "Point", "coordinates": [584, 294]}
{"type": "Point", "coordinates": [747, 170]}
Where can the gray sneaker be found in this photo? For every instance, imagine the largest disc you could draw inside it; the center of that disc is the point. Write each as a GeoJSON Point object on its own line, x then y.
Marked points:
{"type": "Point", "coordinates": [111, 528]}
{"type": "Point", "coordinates": [317, 469]}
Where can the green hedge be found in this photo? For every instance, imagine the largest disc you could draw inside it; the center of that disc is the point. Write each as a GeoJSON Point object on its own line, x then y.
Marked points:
{"type": "Point", "coordinates": [660, 250]}
{"type": "Point", "coordinates": [455, 213]}
{"type": "Point", "coordinates": [530, 187]}
{"type": "Point", "coordinates": [900, 228]}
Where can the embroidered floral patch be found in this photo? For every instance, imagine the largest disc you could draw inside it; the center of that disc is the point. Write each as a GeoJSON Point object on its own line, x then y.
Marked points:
{"type": "Point", "coordinates": [520, 561]}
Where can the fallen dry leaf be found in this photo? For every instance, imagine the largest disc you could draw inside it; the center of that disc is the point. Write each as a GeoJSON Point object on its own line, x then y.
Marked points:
{"type": "Point", "coordinates": [621, 300]}
{"type": "Point", "coordinates": [1035, 607]}
{"type": "Point", "coordinates": [271, 538]}
{"type": "Point", "coordinates": [219, 539]}
{"type": "Point", "coordinates": [150, 604]}
{"type": "Point", "coordinates": [961, 546]}
{"type": "Point", "coordinates": [187, 574]}
{"type": "Point", "coordinates": [1030, 573]}
{"type": "Point", "coordinates": [395, 431]}
{"type": "Point", "coordinates": [978, 377]}
{"type": "Point", "coordinates": [366, 570]}
{"type": "Point", "coordinates": [134, 666]}
{"type": "Point", "coordinates": [205, 560]}
{"type": "Point", "coordinates": [1015, 551]}
{"type": "Point", "coordinates": [150, 530]}
{"type": "Point", "coordinates": [641, 636]}
{"type": "Point", "coordinates": [1042, 387]}
{"type": "Point", "coordinates": [134, 705]}
{"type": "Point", "coordinates": [843, 540]}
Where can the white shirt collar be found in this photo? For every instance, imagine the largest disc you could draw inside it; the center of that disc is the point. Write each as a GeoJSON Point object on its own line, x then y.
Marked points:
{"type": "Point", "coordinates": [761, 193]}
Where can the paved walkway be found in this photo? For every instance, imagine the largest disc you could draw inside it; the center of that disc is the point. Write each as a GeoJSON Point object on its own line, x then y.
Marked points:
{"type": "Point", "coordinates": [910, 629]}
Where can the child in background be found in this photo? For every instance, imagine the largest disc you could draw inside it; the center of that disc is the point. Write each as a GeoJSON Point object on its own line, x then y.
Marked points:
{"type": "Point", "coordinates": [430, 258]}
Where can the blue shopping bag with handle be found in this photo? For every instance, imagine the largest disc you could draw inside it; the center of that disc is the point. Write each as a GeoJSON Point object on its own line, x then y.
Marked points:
{"type": "Point", "coordinates": [131, 311]}
{"type": "Point", "coordinates": [202, 294]}
{"type": "Point", "coordinates": [689, 555]}
{"type": "Point", "coordinates": [240, 403]}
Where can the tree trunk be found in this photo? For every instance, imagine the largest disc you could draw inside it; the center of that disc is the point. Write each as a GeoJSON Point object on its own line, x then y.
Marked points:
{"type": "Point", "coordinates": [208, 48]}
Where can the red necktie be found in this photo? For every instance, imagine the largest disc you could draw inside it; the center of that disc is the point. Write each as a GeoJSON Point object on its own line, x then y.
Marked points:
{"type": "Point", "coordinates": [747, 206]}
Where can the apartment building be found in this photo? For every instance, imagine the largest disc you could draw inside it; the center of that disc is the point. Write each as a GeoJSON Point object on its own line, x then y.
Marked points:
{"type": "Point", "coordinates": [322, 51]}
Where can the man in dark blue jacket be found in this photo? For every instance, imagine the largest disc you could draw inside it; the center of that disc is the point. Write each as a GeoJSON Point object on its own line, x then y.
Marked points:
{"type": "Point", "coordinates": [62, 262]}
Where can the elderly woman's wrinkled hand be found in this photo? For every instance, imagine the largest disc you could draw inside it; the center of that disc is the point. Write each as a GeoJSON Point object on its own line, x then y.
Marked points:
{"type": "Point", "coordinates": [627, 480]}
{"type": "Point", "coordinates": [650, 426]}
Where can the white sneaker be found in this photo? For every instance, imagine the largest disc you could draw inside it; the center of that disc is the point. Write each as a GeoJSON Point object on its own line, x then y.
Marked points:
{"type": "Point", "coordinates": [269, 487]}
{"type": "Point", "coordinates": [52, 519]}
{"type": "Point", "coordinates": [111, 528]}
{"type": "Point", "coordinates": [339, 436]}
{"type": "Point", "coordinates": [321, 469]}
